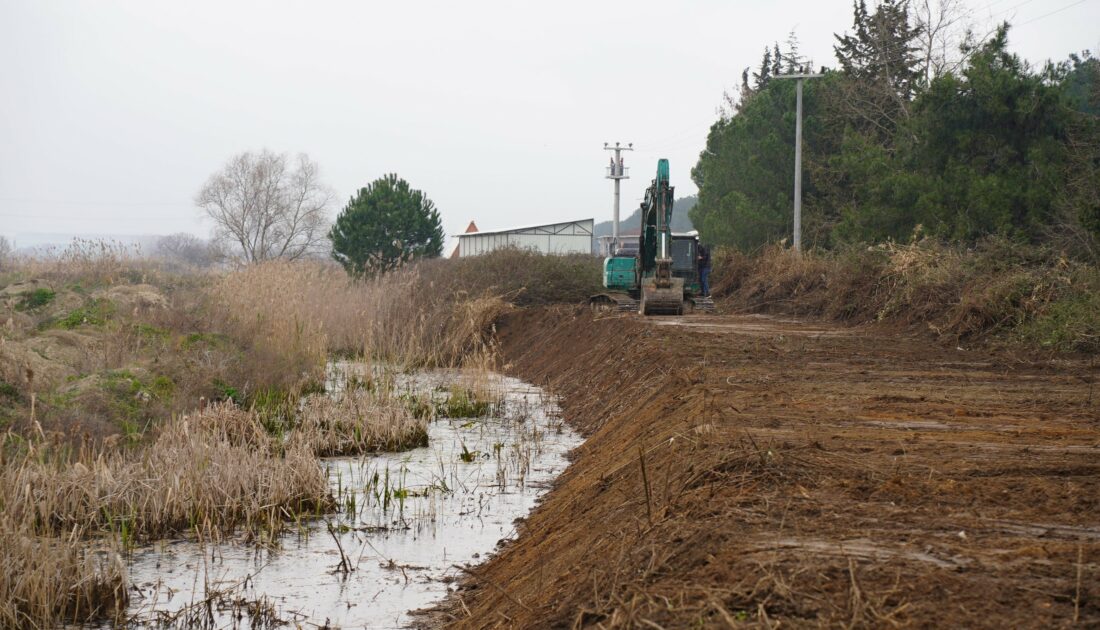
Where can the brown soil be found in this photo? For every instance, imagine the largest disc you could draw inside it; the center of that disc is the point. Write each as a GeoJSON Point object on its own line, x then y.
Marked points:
{"type": "Point", "coordinates": [741, 470]}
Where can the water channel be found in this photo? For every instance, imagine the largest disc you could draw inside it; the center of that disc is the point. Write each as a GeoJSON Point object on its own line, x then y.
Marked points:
{"type": "Point", "coordinates": [409, 522]}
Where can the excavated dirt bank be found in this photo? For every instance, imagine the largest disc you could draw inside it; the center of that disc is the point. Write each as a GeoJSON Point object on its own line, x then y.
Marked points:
{"type": "Point", "coordinates": [748, 471]}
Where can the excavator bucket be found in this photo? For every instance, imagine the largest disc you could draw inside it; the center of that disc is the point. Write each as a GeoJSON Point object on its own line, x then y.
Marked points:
{"type": "Point", "coordinates": [657, 300]}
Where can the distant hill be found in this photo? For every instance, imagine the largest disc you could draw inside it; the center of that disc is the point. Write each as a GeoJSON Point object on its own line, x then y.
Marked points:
{"type": "Point", "coordinates": [680, 220]}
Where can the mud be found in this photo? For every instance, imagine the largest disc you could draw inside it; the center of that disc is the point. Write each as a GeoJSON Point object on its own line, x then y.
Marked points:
{"type": "Point", "coordinates": [746, 471]}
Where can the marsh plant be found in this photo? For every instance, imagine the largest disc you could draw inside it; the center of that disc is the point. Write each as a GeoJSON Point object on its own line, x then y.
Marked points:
{"type": "Point", "coordinates": [359, 421]}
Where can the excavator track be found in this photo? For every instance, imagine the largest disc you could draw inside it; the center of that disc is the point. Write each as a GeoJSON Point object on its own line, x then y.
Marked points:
{"type": "Point", "coordinates": [703, 304]}
{"type": "Point", "coordinates": [617, 302]}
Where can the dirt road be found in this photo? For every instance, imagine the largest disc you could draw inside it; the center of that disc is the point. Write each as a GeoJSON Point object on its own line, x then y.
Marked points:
{"type": "Point", "coordinates": [753, 471]}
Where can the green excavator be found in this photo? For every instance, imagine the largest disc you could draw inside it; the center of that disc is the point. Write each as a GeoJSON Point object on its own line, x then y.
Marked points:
{"type": "Point", "coordinates": [661, 276]}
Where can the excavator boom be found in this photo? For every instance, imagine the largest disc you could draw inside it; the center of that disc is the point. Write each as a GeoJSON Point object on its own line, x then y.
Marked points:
{"type": "Point", "coordinates": [661, 292]}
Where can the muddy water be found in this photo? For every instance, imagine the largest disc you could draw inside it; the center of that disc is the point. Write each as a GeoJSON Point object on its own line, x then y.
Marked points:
{"type": "Point", "coordinates": [408, 522]}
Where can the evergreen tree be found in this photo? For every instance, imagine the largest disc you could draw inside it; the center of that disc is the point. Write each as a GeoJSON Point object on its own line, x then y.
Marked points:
{"type": "Point", "coordinates": [384, 226]}
{"type": "Point", "coordinates": [990, 156]}
{"type": "Point", "coordinates": [883, 48]}
{"type": "Point", "coordinates": [794, 60]}
{"type": "Point", "coordinates": [992, 148]}
{"type": "Point", "coordinates": [879, 59]}
{"type": "Point", "coordinates": [761, 77]}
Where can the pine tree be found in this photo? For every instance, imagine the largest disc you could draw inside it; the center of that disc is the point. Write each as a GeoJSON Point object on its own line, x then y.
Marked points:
{"type": "Point", "coordinates": [793, 59]}
{"type": "Point", "coordinates": [384, 226]}
{"type": "Point", "coordinates": [762, 76]}
{"type": "Point", "coordinates": [882, 50]}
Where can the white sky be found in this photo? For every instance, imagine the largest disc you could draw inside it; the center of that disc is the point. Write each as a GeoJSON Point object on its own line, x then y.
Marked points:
{"type": "Point", "coordinates": [113, 114]}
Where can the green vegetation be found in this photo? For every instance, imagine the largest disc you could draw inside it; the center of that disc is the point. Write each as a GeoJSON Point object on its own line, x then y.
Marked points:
{"type": "Point", "coordinates": [1070, 322]}
{"type": "Point", "coordinates": [212, 340]}
{"type": "Point", "coordinates": [462, 402]}
{"type": "Point", "coordinates": [31, 300]}
{"type": "Point", "coordinates": [994, 147]}
{"type": "Point", "coordinates": [419, 405]}
{"type": "Point", "coordinates": [385, 225]}
{"type": "Point", "coordinates": [152, 333]}
{"type": "Point", "coordinates": [9, 391]}
{"type": "Point", "coordinates": [95, 313]}
{"type": "Point", "coordinates": [228, 392]}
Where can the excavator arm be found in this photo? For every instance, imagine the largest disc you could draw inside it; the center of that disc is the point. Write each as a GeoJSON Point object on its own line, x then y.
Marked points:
{"type": "Point", "coordinates": [661, 292]}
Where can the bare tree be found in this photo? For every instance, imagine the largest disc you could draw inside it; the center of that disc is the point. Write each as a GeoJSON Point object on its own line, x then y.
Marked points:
{"type": "Point", "coordinates": [187, 249]}
{"type": "Point", "coordinates": [265, 208]}
{"type": "Point", "coordinates": [943, 27]}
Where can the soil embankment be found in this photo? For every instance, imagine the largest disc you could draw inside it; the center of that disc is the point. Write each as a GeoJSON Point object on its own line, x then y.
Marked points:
{"type": "Point", "coordinates": [744, 470]}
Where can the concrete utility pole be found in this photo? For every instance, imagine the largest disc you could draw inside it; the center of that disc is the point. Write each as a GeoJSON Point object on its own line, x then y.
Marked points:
{"type": "Point", "coordinates": [616, 171]}
{"type": "Point", "coordinates": [798, 156]}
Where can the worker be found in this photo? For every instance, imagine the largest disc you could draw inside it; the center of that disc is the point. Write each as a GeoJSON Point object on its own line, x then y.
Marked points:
{"type": "Point", "coordinates": [703, 260]}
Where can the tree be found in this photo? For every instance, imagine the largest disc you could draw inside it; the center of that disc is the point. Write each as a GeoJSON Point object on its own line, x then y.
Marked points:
{"type": "Point", "coordinates": [187, 249]}
{"type": "Point", "coordinates": [880, 60]}
{"type": "Point", "coordinates": [266, 206]}
{"type": "Point", "coordinates": [990, 157]}
{"type": "Point", "coordinates": [384, 226]}
{"type": "Point", "coordinates": [745, 174]}
{"type": "Point", "coordinates": [761, 77]}
{"type": "Point", "coordinates": [944, 27]}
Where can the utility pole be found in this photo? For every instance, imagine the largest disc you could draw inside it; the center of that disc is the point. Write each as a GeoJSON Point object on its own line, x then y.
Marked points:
{"type": "Point", "coordinates": [617, 172]}
{"type": "Point", "coordinates": [798, 155]}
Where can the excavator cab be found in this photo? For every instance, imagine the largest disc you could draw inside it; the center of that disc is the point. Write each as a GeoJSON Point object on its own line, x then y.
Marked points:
{"type": "Point", "coordinates": [685, 250]}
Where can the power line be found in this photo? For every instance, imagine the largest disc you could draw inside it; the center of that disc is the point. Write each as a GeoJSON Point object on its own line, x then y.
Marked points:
{"type": "Point", "coordinates": [1045, 15]}
{"type": "Point", "coordinates": [1011, 8]}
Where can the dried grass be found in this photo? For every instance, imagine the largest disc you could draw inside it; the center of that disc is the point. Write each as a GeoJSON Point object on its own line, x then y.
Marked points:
{"type": "Point", "coordinates": [303, 311]}
{"type": "Point", "coordinates": [46, 581]}
{"type": "Point", "coordinates": [360, 421]}
{"type": "Point", "coordinates": [89, 262]}
{"type": "Point", "coordinates": [210, 473]}
{"type": "Point", "coordinates": [998, 287]}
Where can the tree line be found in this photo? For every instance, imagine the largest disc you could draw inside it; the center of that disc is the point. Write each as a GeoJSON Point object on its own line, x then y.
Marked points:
{"type": "Point", "coordinates": [908, 135]}
{"type": "Point", "coordinates": [267, 206]}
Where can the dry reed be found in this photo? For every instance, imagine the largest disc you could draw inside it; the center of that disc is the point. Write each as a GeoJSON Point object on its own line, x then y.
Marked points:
{"type": "Point", "coordinates": [360, 421]}
{"type": "Point", "coordinates": [306, 310]}
{"type": "Point", "coordinates": [46, 581]}
{"type": "Point", "coordinates": [210, 473]}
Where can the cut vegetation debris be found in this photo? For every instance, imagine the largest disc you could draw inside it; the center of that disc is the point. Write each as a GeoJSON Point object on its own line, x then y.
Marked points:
{"type": "Point", "coordinates": [998, 290]}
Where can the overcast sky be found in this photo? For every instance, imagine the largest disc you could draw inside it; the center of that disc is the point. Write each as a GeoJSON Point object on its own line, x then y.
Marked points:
{"type": "Point", "coordinates": [113, 114]}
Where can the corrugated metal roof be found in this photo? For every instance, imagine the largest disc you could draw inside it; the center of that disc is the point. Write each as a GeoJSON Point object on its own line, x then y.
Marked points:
{"type": "Point", "coordinates": [526, 227]}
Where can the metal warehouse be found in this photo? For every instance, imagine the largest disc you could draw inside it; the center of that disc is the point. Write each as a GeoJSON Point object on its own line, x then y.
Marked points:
{"type": "Point", "coordinates": [567, 237]}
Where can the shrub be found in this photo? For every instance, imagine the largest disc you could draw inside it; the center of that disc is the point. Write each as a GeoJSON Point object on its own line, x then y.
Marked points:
{"type": "Point", "coordinates": [31, 300]}
{"type": "Point", "coordinates": [997, 287]}
{"type": "Point", "coordinates": [524, 277]}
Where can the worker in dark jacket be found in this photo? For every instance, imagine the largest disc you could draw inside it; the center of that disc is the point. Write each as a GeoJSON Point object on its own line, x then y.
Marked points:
{"type": "Point", "coordinates": [703, 260]}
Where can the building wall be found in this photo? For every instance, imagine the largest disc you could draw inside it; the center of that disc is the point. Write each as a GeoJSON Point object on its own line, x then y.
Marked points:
{"type": "Point", "coordinates": [574, 237]}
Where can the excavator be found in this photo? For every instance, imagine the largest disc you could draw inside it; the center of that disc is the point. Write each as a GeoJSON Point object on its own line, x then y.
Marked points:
{"type": "Point", "coordinates": [660, 277]}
